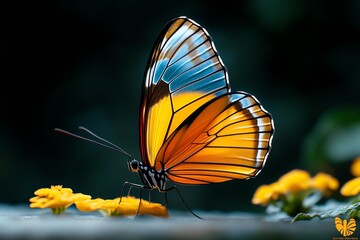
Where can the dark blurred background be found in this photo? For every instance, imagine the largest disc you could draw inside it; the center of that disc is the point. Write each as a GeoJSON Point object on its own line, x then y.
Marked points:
{"type": "Point", "coordinates": [70, 63]}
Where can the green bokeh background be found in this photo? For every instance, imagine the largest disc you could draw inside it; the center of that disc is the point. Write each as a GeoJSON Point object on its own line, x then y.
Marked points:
{"type": "Point", "coordinates": [70, 63]}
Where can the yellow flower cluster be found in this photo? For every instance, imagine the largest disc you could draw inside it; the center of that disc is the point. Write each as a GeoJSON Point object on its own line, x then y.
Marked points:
{"type": "Point", "coordinates": [295, 181]}
{"type": "Point", "coordinates": [296, 191]}
{"type": "Point", "coordinates": [58, 199]}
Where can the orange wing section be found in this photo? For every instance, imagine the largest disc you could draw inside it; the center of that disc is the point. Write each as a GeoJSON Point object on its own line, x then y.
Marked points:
{"type": "Point", "coordinates": [164, 118]}
{"type": "Point", "coordinates": [228, 138]}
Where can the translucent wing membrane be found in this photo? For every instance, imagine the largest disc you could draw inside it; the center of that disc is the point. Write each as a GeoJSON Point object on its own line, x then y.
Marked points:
{"type": "Point", "coordinates": [183, 73]}
{"type": "Point", "coordinates": [228, 138]}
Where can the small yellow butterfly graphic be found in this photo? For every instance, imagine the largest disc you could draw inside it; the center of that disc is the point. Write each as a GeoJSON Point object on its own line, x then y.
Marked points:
{"type": "Point", "coordinates": [345, 227]}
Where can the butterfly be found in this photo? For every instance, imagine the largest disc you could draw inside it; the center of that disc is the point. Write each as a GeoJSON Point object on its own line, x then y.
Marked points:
{"type": "Point", "coordinates": [193, 129]}
{"type": "Point", "coordinates": [344, 227]}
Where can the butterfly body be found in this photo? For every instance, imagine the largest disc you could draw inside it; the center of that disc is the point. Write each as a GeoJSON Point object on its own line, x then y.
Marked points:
{"type": "Point", "coordinates": [150, 177]}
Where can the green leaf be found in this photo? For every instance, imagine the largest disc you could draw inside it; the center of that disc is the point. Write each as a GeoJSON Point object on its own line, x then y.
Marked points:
{"type": "Point", "coordinates": [334, 139]}
{"type": "Point", "coordinates": [330, 213]}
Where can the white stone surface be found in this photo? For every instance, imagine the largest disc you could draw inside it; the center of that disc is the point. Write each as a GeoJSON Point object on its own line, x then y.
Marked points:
{"type": "Point", "coordinates": [21, 222]}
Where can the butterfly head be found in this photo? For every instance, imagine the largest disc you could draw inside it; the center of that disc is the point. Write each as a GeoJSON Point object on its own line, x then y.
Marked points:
{"type": "Point", "coordinates": [134, 165]}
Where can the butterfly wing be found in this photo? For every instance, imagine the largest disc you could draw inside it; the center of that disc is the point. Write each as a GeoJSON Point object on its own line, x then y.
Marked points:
{"type": "Point", "coordinates": [351, 227]}
{"type": "Point", "coordinates": [227, 138]}
{"type": "Point", "coordinates": [339, 224]}
{"type": "Point", "coordinates": [183, 73]}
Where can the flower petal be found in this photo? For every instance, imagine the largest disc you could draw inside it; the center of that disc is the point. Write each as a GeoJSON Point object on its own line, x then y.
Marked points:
{"type": "Point", "coordinates": [325, 183]}
{"type": "Point", "coordinates": [355, 167]}
{"type": "Point", "coordinates": [351, 188]}
{"type": "Point", "coordinates": [294, 181]}
{"type": "Point", "coordinates": [263, 195]}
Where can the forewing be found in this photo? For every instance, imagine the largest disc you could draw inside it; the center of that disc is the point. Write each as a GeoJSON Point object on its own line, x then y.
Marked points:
{"type": "Point", "coordinates": [183, 73]}
{"type": "Point", "coordinates": [228, 138]}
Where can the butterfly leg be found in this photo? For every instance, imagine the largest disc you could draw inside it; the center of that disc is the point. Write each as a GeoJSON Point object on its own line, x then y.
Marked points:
{"type": "Point", "coordinates": [182, 199]}
{"type": "Point", "coordinates": [131, 185]}
{"type": "Point", "coordinates": [149, 194]}
{"type": "Point", "coordinates": [166, 201]}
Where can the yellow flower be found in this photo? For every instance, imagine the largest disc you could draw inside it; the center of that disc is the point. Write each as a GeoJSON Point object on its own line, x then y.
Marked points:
{"type": "Point", "coordinates": [355, 167]}
{"type": "Point", "coordinates": [325, 183]}
{"type": "Point", "coordinates": [293, 181]}
{"type": "Point", "coordinates": [129, 206]}
{"type": "Point", "coordinates": [56, 197]}
{"type": "Point", "coordinates": [351, 188]}
{"type": "Point", "coordinates": [89, 205]}
{"type": "Point", "coordinates": [265, 194]}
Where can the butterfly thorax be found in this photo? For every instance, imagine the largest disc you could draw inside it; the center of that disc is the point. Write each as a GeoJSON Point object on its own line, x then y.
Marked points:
{"type": "Point", "coordinates": [150, 177]}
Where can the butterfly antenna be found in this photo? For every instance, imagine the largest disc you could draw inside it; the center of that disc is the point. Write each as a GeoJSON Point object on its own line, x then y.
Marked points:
{"type": "Point", "coordinates": [104, 143]}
